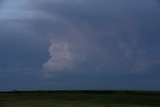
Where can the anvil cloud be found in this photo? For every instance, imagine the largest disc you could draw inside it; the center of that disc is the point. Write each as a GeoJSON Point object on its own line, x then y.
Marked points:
{"type": "Point", "coordinates": [99, 32]}
{"type": "Point", "coordinates": [88, 39]}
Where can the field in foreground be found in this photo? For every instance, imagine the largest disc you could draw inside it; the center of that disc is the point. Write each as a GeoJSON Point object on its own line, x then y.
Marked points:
{"type": "Point", "coordinates": [80, 99]}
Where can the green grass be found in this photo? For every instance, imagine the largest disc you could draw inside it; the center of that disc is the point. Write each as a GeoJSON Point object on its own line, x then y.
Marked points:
{"type": "Point", "coordinates": [80, 99]}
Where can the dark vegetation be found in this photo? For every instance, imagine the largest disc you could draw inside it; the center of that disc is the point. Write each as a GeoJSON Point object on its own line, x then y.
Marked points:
{"type": "Point", "coordinates": [80, 99]}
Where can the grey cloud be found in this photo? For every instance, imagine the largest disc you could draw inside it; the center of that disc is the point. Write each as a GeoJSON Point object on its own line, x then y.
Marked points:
{"type": "Point", "coordinates": [105, 31]}
{"type": "Point", "coordinates": [20, 48]}
{"type": "Point", "coordinates": [79, 44]}
{"type": "Point", "coordinates": [1, 1]}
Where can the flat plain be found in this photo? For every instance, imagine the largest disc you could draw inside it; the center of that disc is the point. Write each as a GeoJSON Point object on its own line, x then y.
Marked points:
{"type": "Point", "coordinates": [80, 99]}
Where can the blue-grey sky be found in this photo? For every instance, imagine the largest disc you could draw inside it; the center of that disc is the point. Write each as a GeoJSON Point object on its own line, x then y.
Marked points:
{"type": "Point", "coordinates": [79, 44]}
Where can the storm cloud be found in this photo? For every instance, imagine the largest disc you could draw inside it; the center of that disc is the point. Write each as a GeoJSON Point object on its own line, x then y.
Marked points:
{"type": "Point", "coordinates": [98, 32]}
{"type": "Point", "coordinates": [81, 38]}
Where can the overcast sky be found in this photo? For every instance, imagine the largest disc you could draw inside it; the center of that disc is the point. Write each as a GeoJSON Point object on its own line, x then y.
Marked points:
{"type": "Point", "coordinates": [79, 44]}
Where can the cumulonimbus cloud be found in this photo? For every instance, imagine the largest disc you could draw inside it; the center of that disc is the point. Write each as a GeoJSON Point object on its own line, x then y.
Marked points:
{"type": "Point", "coordinates": [84, 37]}
{"type": "Point", "coordinates": [61, 58]}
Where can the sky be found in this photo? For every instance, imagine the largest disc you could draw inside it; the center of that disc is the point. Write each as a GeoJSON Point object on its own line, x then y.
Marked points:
{"type": "Point", "coordinates": [79, 45]}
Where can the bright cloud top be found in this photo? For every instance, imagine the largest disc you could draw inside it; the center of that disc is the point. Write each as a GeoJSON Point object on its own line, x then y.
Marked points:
{"type": "Point", "coordinates": [61, 57]}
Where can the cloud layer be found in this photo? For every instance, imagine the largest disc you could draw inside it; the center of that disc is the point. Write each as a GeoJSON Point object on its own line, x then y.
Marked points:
{"type": "Point", "coordinates": [79, 44]}
{"type": "Point", "coordinates": [87, 35]}
{"type": "Point", "coordinates": [98, 32]}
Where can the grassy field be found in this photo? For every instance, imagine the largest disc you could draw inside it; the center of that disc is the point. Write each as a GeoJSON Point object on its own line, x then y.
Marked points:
{"type": "Point", "coordinates": [80, 99]}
